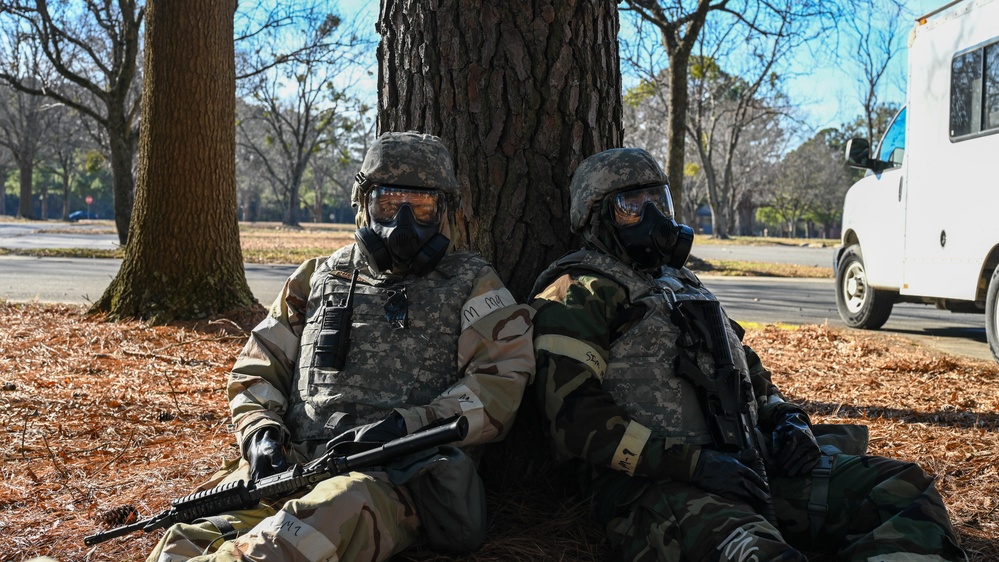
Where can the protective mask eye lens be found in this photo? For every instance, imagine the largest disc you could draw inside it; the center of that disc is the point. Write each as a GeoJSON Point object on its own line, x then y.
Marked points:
{"type": "Point", "coordinates": [627, 206]}
{"type": "Point", "coordinates": [384, 203]}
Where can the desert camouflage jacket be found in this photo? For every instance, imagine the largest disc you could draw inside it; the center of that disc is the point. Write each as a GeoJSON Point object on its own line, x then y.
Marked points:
{"type": "Point", "coordinates": [605, 348]}
{"type": "Point", "coordinates": [452, 341]}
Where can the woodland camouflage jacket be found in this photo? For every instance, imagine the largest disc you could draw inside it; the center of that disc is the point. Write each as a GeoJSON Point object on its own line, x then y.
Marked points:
{"type": "Point", "coordinates": [606, 351]}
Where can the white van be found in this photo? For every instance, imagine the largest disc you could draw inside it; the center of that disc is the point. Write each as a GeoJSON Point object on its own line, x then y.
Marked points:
{"type": "Point", "coordinates": [923, 224]}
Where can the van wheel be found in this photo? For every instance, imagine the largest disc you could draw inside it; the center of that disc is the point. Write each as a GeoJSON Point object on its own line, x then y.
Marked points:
{"type": "Point", "coordinates": [992, 314]}
{"type": "Point", "coordinates": [859, 304]}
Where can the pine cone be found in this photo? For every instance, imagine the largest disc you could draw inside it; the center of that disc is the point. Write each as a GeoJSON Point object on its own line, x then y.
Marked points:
{"type": "Point", "coordinates": [118, 516]}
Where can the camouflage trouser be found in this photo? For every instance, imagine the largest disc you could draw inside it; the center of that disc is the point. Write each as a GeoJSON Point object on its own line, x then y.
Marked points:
{"type": "Point", "coordinates": [355, 516]}
{"type": "Point", "coordinates": [879, 509]}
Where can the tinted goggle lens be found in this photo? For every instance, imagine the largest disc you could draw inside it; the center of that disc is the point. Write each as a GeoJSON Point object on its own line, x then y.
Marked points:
{"type": "Point", "coordinates": [384, 203]}
{"type": "Point", "coordinates": [627, 206]}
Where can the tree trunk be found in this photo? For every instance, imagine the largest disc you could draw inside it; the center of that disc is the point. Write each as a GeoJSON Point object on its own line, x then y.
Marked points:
{"type": "Point", "coordinates": [25, 207]}
{"type": "Point", "coordinates": [294, 201]}
{"type": "Point", "coordinates": [3, 190]}
{"type": "Point", "coordinates": [746, 219]}
{"type": "Point", "coordinates": [676, 127]}
{"type": "Point", "coordinates": [122, 148]}
{"type": "Point", "coordinates": [44, 214]}
{"type": "Point", "coordinates": [65, 195]}
{"type": "Point", "coordinates": [183, 259]}
{"type": "Point", "coordinates": [520, 92]}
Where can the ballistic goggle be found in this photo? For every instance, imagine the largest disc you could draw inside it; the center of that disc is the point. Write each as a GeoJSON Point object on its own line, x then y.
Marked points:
{"type": "Point", "coordinates": [626, 206]}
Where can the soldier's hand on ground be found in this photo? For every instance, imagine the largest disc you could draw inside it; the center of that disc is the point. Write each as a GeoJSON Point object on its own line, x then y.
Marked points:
{"type": "Point", "coordinates": [392, 427]}
{"type": "Point", "coordinates": [265, 453]}
{"type": "Point", "coordinates": [730, 476]}
{"type": "Point", "coordinates": [795, 450]}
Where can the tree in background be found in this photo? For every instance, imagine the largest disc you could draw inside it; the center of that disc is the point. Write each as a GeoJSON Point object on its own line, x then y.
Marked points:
{"type": "Point", "coordinates": [332, 173]}
{"type": "Point", "coordinates": [645, 117]}
{"type": "Point", "coordinates": [22, 126]}
{"type": "Point", "coordinates": [297, 108]}
{"type": "Point", "coordinates": [678, 28]}
{"type": "Point", "coordinates": [811, 182]}
{"type": "Point", "coordinates": [873, 33]}
{"type": "Point", "coordinates": [5, 161]}
{"type": "Point", "coordinates": [680, 24]}
{"type": "Point", "coordinates": [94, 52]}
{"type": "Point", "coordinates": [754, 167]}
{"type": "Point", "coordinates": [520, 92]}
{"type": "Point", "coordinates": [66, 142]}
{"type": "Point", "coordinates": [185, 209]}
{"type": "Point", "coordinates": [725, 112]}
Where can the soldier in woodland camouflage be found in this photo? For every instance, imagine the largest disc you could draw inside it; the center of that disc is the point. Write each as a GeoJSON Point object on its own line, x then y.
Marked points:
{"type": "Point", "coordinates": [615, 343]}
{"type": "Point", "coordinates": [434, 334]}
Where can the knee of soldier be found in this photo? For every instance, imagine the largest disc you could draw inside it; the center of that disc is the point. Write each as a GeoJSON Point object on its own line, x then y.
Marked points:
{"type": "Point", "coordinates": [182, 541]}
{"type": "Point", "coordinates": [901, 471]}
{"type": "Point", "coordinates": [350, 492]}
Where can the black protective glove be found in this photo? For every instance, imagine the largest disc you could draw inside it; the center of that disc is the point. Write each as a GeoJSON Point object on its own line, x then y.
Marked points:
{"type": "Point", "coordinates": [392, 427]}
{"type": "Point", "coordinates": [794, 450]}
{"type": "Point", "coordinates": [265, 453]}
{"type": "Point", "coordinates": [730, 476]}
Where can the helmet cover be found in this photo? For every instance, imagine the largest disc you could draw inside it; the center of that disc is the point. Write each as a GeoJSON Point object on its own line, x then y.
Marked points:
{"type": "Point", "coordinates": [605, 173]}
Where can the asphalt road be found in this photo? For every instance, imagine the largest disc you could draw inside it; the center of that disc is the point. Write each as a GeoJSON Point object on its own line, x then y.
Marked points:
{"type": "Point", "coordinates": [82, 280]}
{"type": "Point", "coordinates": [761, 300]}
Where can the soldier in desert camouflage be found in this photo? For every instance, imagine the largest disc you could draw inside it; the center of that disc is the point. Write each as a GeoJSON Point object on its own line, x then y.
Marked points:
{"type": "Point", "coordinates": [434, 334]}
{"type": "Point", "coordinates": [616, 347]}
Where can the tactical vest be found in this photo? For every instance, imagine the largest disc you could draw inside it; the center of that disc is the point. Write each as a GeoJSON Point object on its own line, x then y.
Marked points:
{"type": "Point", "coordinates": [641, 370]}
{"type": "Point", "coordinates": [403, 344]}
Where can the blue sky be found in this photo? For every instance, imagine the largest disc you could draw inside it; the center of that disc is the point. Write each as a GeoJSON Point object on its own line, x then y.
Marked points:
{"type": "Point", "coordinates": [826, 92]}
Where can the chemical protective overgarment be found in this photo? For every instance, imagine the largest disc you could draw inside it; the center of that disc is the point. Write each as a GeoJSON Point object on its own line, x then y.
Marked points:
{"type": "Point", "coordinates": [428, 347]}
{"type": "Point", "coordinates": [640, 474]}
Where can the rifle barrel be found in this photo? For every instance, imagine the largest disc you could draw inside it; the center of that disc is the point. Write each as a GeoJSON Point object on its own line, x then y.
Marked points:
{"type": "Point", "coordinates": [454, 431]}
{"type": "Point", "coordinates": [102, 536]}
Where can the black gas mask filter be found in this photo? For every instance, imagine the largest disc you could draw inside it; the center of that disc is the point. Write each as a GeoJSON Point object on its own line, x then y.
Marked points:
{"type": "Point", "coordinates": [655, 240]}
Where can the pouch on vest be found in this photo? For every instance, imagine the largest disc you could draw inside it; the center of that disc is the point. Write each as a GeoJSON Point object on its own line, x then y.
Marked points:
{"type": "Point", "coordinates": [850, 439]}
{"type": "Point", "coordinates": [449, 495]}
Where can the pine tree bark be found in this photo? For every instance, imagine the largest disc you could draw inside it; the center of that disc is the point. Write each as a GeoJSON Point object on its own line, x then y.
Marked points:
{"type": "Point", "coordinates": [521, 93]}
{"type": "Point", "coordinates": [183, 259]}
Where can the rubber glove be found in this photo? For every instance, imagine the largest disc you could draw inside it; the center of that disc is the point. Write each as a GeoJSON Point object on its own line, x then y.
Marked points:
{"type": "Point", "coordinates": [265, 453]}
{"type": "Point", "coordinates": [794, 450]}
{"type": "Point", "coordinates": [730, 476]}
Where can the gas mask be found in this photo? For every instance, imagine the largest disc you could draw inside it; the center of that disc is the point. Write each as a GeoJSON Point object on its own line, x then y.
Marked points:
{"type": "Point", "coordinates": [645, 229]}
{"type": "Point", "coordinates": [404, 232]}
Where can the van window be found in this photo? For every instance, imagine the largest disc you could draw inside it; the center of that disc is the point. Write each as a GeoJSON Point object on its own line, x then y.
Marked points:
{"type": "Point", "coordinates": [974, 91]}
{"type": "Point", "coordinates": [992, 86]}
{"type": "Point", "coordinates": [893, 144]}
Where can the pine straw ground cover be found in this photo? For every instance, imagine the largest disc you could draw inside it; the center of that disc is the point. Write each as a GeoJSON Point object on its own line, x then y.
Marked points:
{"type": "Point", "coordinates": [97, 416]}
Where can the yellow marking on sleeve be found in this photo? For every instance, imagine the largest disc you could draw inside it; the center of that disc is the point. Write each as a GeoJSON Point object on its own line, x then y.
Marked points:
{"type": "Point", "coordinates": [480, 306]}
{"type": "Point", "coordinates": [573, 349]}
{"type": "Point", "coordinates": [629, 451]}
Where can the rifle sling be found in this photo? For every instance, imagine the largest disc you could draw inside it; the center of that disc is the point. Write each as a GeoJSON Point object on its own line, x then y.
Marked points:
{"type": "Point", "coordinates": [223, 525]}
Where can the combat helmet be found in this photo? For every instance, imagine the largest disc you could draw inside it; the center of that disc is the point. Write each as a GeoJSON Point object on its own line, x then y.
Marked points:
{"type": "Point", "coordinates": [607, 172]}
{"type": "Point", "coordinates": [408, 159]}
